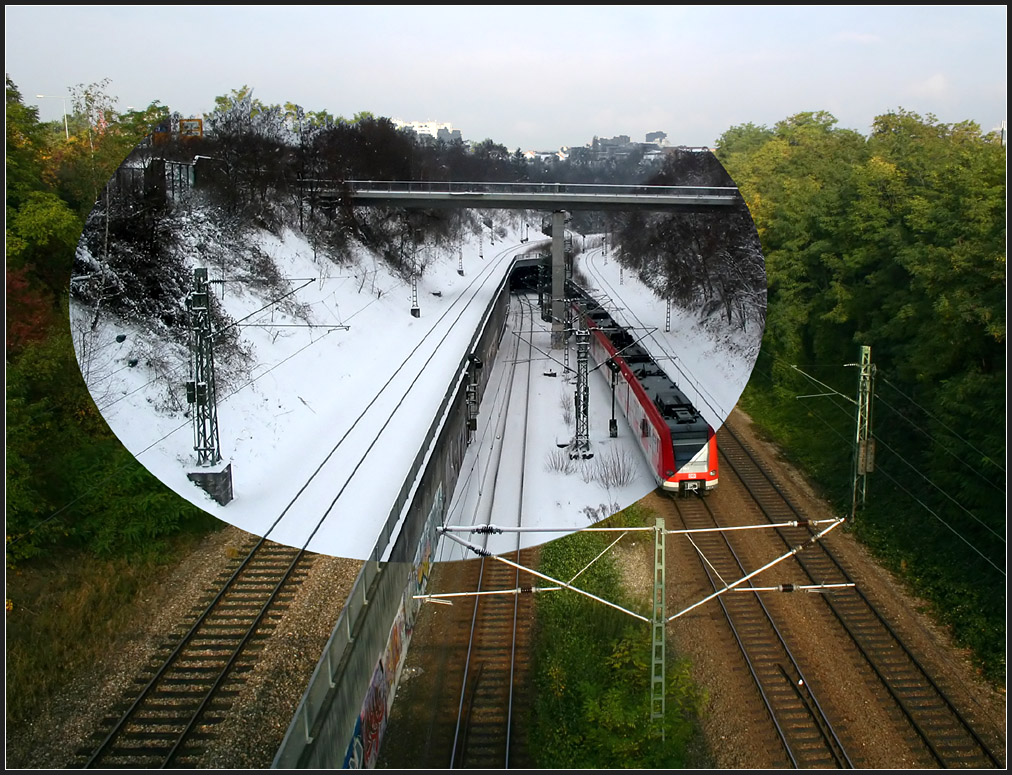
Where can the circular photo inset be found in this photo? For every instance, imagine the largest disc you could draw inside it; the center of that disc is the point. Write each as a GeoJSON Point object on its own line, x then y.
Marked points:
{"type": "Point", "coordinates": [335, 338]}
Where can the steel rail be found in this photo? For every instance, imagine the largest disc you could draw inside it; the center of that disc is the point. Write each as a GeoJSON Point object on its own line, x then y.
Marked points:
{"type": "Point", "coordinates": [219, 681]}
{"type": "Point", "coordinates": [848, 625]}
{"type": "Point", "coordinates": [170, 662]}
{"type": "Point", "coordinates": [465, 710]}
{"type": "Point", "coordinates": [833, 746]}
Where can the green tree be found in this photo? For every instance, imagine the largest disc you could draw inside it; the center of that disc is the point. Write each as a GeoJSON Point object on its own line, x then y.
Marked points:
{"type": "Point", "coordinates": [25, 148]}
{"type": "Point", "coordinates": [42, 235]}
{"type": "Point", "coordinates": [896, 241]}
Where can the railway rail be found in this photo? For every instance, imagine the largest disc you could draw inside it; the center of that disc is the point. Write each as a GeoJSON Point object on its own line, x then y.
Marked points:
{"type": "Point", "coordinates": [484, 736]}
{"type": "Point", "coordinates": [805, 731]}
{"type": "Point", "coordinates": [190, 685]}
{"type": "Point", "coordinates": [939, 732]}
{"type": "Point", "coordinates": [481, 655]}
{"type": "Point", "coordinates": [185, 693]}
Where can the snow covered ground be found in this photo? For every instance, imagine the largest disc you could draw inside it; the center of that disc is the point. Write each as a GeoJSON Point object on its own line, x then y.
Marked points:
{"type": "Point", "coordinates": [321, 430]}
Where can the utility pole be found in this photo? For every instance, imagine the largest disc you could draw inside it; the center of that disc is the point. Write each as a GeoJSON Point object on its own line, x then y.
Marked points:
{"type": "Point", "coordinates": [581, 445]}
{"type": "Point", "coordinates": [200, 390]}
{"type": "Point", "coordinates": [558, 279]}
{"type": "Point", "coordinates": [415, 311]}
{"type": "Point", "coordinates": [864, 448]}
{"type": "Point", "coordinates": [657, 624]}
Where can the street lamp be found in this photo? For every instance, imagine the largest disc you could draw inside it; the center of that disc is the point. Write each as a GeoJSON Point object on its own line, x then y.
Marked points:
{"type": "Point", "coordinates": [66, 129]}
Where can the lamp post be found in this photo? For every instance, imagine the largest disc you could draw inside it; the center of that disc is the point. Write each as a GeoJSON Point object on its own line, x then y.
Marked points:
{"type": "Point", "coordinates": [66, 129]}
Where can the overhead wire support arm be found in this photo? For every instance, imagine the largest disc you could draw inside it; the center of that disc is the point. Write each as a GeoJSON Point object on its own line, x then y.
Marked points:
{"type": "Point", "coordinates": [483, 553]}
{"type": "Point", "coordinates": [754, 573]}
{"type": "Point", "coordinates": [495, 529]}
{"type": "Point", "coordinates": [268, 305]}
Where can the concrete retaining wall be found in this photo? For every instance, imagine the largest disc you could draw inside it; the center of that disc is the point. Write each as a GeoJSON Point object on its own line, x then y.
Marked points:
{"type": "Point", "coordinates": [342, 716]}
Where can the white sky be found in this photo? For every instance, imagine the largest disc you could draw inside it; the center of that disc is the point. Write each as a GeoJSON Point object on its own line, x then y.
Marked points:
{"type": "Point", "coordinates": [530, 77]}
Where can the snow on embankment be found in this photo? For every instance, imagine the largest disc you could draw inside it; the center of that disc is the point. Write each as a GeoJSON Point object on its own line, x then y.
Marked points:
{"type": "Point", "coordinates": [313, 345]}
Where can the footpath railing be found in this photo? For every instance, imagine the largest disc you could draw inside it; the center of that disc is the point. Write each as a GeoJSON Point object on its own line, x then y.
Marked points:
{"type": "Point", "coordinates": [543, 196]}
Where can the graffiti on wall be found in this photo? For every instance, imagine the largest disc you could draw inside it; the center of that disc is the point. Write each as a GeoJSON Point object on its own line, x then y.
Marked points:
{"type": "Point", "coordinates": [363, 750]}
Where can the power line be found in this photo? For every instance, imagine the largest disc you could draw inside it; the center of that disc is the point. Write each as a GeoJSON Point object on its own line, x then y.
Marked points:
{"type": "Point", "coordinates": [819, 417]}
{"type": "Point", "coordinates": [939, 445]}
{"type": "Point", "coordinates": [946, 494]}
{"type": "Point", "coordinates": [946, 524]}
{"type": "Point", "coordinates": [929, 414]}
{"type": "Point", "coordinates": [136, 456]}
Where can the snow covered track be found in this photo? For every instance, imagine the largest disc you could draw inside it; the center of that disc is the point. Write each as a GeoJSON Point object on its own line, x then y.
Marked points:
{"type": "Point", "coordinates": [484, 716]}
{"type": "Point", "coordinates": [350, 469]}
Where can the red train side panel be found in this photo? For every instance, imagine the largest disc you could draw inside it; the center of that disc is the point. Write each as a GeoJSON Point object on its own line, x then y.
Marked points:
{"type": "Point", "coordinates": [684, 461]}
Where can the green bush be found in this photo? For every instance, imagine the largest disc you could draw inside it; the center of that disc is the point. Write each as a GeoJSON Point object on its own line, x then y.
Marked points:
{"type": "Point", "coordinates": [593, 666]}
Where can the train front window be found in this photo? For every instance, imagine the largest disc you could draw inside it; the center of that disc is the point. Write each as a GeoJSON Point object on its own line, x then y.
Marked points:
{"type": "Point", "coordinates": [691, 456]}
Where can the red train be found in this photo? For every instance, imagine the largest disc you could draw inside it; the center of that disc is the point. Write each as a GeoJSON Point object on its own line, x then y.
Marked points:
{"type": "Point", "coordinates": [679, 444]}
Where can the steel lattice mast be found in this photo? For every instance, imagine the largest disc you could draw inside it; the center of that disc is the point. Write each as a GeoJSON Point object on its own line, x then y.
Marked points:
{"type": "Point", "coordinates": [582, 441]}
{"type": "Point", "coordinates": [864, 444]}
{"type": "Point", "coordinates": [200, 390]}
{"type": "Point", "coordinates": [658, 622]}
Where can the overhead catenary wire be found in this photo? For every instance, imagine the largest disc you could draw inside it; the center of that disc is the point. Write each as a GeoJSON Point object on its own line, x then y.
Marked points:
{"type": "Point", "coordinates": [943, 522]}
{"type": "Point", "coordinates": [941, 490]}
{"type": "Point", "coordinates": [929, 414]}
{"type": "Point", "coordinates": [938, 445]}
{"type": "Point", "coordinates": [482, 553]}
{"type": "Point", "coordinates": [99, 483]}
{"type": "Point", "coordinates": [688, 377]}
{"type": "Point", "coordinates": [879, 469]}
{"type": "Point", "coordinates": [908, 420]}
{"type": "Point", "coordinates": [379, 393]}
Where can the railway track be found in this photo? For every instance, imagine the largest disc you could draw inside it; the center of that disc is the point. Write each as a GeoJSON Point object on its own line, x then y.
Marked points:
{"type": "Point", "coordinates": [489, 733]}
{"type": "Point", "coordinates": [503, 610]}
{"type": "Point", "coordinates": [938, 731]}
{"type": "Point", "coordinates": [807, 735]}
{"type": "Point", "coordinates": [191, 683]}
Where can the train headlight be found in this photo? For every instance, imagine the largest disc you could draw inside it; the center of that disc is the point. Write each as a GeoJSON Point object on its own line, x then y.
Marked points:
{"type": "Point", "coordinates": [713, 473]}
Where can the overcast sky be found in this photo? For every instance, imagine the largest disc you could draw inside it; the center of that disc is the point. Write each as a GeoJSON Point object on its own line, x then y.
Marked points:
{"type": "Point", "coordinates": [530, 77]}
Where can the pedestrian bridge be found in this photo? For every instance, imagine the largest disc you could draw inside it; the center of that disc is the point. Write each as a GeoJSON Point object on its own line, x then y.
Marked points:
{"type": "Point", "coordinates": [529, 196]}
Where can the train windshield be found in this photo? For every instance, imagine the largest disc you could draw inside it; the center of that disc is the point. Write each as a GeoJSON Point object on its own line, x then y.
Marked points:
{"type": "Point", "coordinates": [691, 455]}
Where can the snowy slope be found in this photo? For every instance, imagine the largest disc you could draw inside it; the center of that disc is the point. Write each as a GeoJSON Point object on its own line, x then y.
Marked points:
{"type": "Point", "coordinates": [341, 382]}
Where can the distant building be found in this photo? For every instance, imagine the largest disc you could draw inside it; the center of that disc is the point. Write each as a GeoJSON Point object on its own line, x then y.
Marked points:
{"type": "Point", "coordinates": [621, 146]}
{"type": "Point", "coordinates": [435, 129]}
{"type": "Point", "coordinates": [562, 154]}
